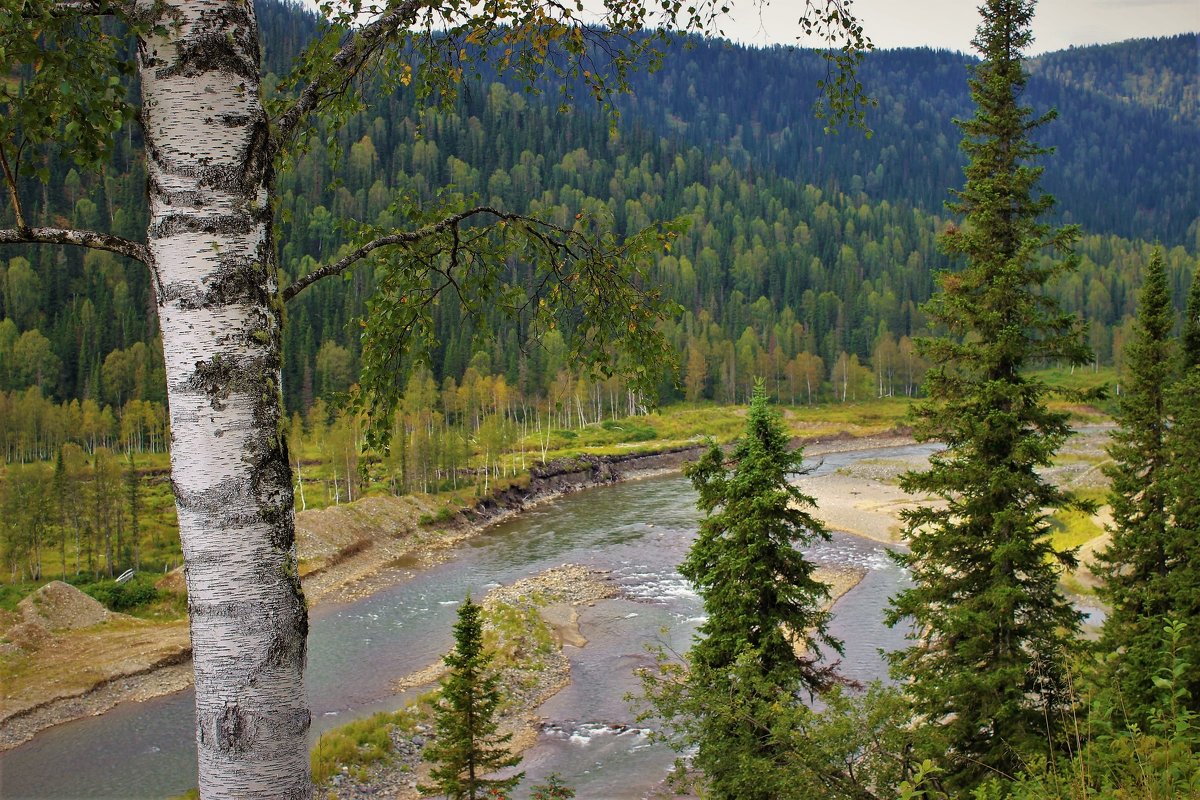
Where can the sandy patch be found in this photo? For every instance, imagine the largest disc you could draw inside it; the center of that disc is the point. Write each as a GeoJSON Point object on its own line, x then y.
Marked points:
{"type": "Point", "coordinates": [858, 505]}
{"type": "Point", "coordinates": [348, 552]}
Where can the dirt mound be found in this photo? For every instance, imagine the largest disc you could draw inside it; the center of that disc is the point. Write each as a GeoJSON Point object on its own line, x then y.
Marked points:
{"type": "Point", "coordinates": [59, 605]}
{"type": "Point", "coordinates": [172, 582]}
{"type": "Point", "coordinates": [330, 534]}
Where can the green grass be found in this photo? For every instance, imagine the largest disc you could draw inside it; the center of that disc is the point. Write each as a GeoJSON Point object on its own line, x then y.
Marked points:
{"type": "Point", "coordinates": [1072, 529]}
{"type": "Point", "coordinates": [1082, 379]}
{"type": "Point", "coordinates": [517, 635]}
{"type": "Point", "coordinates": [358, 744]}
{"type": "Point", "coordinates": [138, 597]}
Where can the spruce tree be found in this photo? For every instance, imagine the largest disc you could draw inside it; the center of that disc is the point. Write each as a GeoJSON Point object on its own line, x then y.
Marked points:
{"type": "Point", "coordinates": [1183, 490]}
{"type": "Point", "coordinates": [758, 652]}
{"type": "Point", "coordinates": [1135, 566]}
{"type": "Point", "coordinates": [991, 629]}
{"type": "Point", "coordinates": [1190, 352]}
{"type": "Point", "coordinates": [466, 746]}
{"type": "Point", "coordinates": [759, 591]}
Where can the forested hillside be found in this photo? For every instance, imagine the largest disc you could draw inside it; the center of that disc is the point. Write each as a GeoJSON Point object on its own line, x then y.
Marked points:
{"type": "Point", "coordinates": [1125, 136]}
{"type": "Point", "coordinates": [1155, 74]}
{"type": "Point", "coordinates": [806, 258]}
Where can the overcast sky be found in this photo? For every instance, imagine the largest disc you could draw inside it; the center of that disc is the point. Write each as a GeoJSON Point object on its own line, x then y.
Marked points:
{"type": "Point", "coordinates": [951, 23]}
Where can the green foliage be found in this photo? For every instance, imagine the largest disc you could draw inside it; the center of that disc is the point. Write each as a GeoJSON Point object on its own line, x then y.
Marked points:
{"type": "Point", "coordinates": [552, 789]}
{"type": "Point", "coordinates": [1120, 757]}
{"type": "Point", "coordinates": [586, 281]}
{"type": "Point", "coordinates": [1182, 548]}
{"type": "Point", "coordinates": [357, 744]}
{"type": "Point", "coordinates": [859, 745]}
{"type": "Point", "coordinates": [992, 631]}
{"type": "Point", "coordinates": [516, 636]}
{"type": "Point", "coordinates": [68, 91]}
{"type": "Point", "coordinates": [758, 588]}
{"type": "Point", "coordinates": [1141, 72]}
{"type": "Point", "coordinates": [135, 593]}
{"type": "Point", "coordinates": [1135, 566]}
{"type": "Point", "coordinates": [1189, 350]}
{"type": "Point", "coordinates": [736, 696]}
{"type": "Point", "coordinates": [466, 746]}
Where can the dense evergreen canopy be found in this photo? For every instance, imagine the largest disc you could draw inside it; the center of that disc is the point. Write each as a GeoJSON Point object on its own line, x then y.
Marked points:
{"type": "Point", "coordinates": [992, 630]}
{"type": "Point", "coordinates": [804, 252]}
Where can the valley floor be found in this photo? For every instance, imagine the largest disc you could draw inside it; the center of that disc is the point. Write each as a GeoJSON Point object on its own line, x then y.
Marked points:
{"type": "Point", "coordinates": [56, 669]}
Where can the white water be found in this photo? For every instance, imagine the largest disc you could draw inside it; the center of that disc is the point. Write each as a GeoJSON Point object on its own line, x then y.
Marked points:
{"type": "Point", "coordinates": [639, 530]}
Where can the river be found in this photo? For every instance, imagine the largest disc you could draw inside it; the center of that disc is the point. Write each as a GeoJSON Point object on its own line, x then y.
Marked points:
{"type": "Point", "coordinates": [639, 530]}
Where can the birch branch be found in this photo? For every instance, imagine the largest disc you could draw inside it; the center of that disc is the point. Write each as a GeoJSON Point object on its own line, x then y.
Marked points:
{"type": "Point", "coordinates": [90, 239]}
{"type": "Point", "coordinates": [402, 238]}
{"type": "Point", "coordinates": [343, 68]}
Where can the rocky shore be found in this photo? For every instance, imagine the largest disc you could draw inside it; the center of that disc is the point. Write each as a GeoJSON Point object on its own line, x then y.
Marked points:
{"type": "Point", "coordinates": [348, 552]}
{"type": "Point", "coordinates": [532, 671]}
{"type": "Point", "coordinates": [549, 602]}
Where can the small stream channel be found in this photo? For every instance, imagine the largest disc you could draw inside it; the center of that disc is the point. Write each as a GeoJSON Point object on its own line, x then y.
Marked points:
{"type": "Point", "coordinates": [639, 530]}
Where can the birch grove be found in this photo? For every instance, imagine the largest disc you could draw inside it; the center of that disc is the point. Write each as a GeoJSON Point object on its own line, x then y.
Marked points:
{"type": "Point", "coordinates": [211, 151]}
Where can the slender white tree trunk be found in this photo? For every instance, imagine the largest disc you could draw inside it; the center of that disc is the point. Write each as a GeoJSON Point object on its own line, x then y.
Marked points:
{"type": "Point", "coordinates": [210, 185]}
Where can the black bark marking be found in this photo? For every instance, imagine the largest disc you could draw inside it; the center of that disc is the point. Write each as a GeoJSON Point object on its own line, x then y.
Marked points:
{"type": "Point", "coordinates": [235, 730]}
{"type": "Point", "coordinates": [225, 224]}
{"type": "Point", "coordinates": [231, 47]}
{"type": "Point", "coordinates": [225, 375]}
{"type": "Point", "coordinates": [272, 487]}
{"type": "Point", "coordinates": [218, 503]}
{"type": "Point", "coordinates": [258, 170]}
{"type": "Point", "coordinates": [290, 643]}
{"type": "Point", "coordinates": [237, 279]}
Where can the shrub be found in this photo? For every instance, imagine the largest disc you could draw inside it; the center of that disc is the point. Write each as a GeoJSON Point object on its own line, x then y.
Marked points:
{"type": "Point", "coordinates": [552, 789]}
{"type": "Point", "coordinates": [133, 594]}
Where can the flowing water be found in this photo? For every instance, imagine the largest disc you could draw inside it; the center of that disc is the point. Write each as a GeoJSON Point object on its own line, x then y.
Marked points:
{"type": "Point", "coordinates": [639, 530]}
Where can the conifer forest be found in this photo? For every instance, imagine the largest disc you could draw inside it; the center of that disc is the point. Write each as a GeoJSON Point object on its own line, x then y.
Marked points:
{"type": "Point", "coordinates": [300, 303]}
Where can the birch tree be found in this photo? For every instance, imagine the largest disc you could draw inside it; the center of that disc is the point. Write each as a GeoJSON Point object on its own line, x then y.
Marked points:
{"type": "Point", "coordinates": [213, 146]}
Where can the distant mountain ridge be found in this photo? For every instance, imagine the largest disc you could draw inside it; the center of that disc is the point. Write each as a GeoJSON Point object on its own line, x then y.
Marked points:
{"type": "Point", "coordinates": [801, 244]}
{"type": "Point", "coordinates": [1125, 158]}
{"type": "Point", "coordinates": [1152, 74]}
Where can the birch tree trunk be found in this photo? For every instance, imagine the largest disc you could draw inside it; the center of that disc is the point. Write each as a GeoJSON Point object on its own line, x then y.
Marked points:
{"type": "Point", "coordinates": [210, 187]}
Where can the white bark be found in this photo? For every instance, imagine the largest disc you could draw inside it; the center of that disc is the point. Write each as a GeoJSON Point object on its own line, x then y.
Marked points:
{"type": "Point", "coordinates": [210, 184]}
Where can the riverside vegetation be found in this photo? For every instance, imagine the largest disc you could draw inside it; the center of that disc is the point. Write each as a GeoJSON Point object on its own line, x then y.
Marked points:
{"type": "Point", "coordinates": [978, 376]}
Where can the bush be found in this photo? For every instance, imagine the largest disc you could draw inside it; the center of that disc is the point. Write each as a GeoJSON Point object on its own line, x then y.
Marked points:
{"type": "Point", "coordinates": [126, 596]}
{"type": "Point", "coordinates": [641, 433]}
{"type": "Point", "coordinates": [552, 789]}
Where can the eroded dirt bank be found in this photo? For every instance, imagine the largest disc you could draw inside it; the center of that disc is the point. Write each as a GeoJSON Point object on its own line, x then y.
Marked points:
{"type": "Point", "coordinates": [71, 664]}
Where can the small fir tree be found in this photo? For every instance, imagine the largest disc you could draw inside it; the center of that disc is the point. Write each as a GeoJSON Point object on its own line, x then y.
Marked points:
{"type": "Point", "coordinates": [466, 746]}
{"type": "Point", "coordinates": [759, 648]}
{"type": "Point", "coordinates": [1135, 567]}
{"type": "Point", "coordinates": [758, 588]}
{"type": "Point", "coordinates": [991, 629]}
{"type": "Point", "coordinates": [552, 789]}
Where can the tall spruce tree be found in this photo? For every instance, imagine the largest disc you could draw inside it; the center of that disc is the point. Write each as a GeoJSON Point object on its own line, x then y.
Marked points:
{"type": "Point", "coordinates": [1183, 490]}
{"type": "Point", "coordinates": [1190, 352]}
{"type": "Point", "coordinates": [467, 747]}
{"type": "Point", "coordinates": [1135, 567]}
{"type": "Point", "coordinates": [991, 629]}
{"type": "Point", "coordinates": [759, 650]}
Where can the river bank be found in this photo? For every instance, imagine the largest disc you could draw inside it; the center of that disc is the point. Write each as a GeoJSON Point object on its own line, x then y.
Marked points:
{"type": "Point", "coordinates": [351, 551]}
{"type": "Point", "coordinates": [547, 606]}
